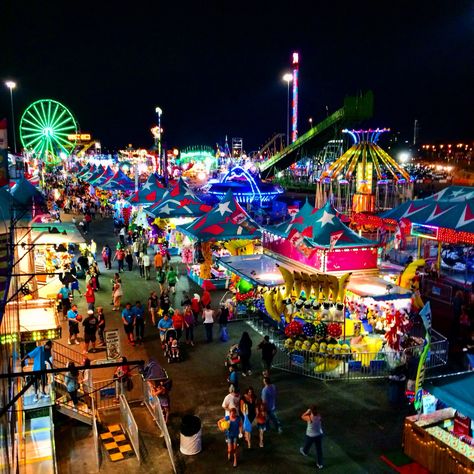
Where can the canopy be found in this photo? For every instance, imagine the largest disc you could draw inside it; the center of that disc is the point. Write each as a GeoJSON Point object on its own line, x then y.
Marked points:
{"type": "Point", "coordinates": [456, 391]}
{"type": "Point", "coordinates": [453, 194]}
{"type": "Point", "coordinates": [119, 182]}
{"type": "Point", "coordinates": [98, 172]}
{"type": "Point", "coordinates": [8, 205]}
{"type": "Point", "coordinates": [25, 192]}
{"type": "Point", "coordinates": [179, 201]}
{"type": "Point", "coordinates": [85, 176]}
{"type": "Point", "coordinates": [105, 176]}
{"type": "Point", "coordinates": [85, 169]}
{"type": "Point", "coordinates": [151, 192]}
{"type": "Point", "coordinates": [321, 228]}
{"type": "Point", "coordinates": [225, 222]}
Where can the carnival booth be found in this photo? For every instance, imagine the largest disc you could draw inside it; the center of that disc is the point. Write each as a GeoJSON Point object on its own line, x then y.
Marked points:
{"type": "Point", "coordinates": [320, 240]}
{"type": "Point", "coordinates": [28, 196]}
{"type": "Point", "coordinates": [104, 177]}
{"type": "Point", "coordinates": [99, 171]}
{"type": "Point", "coordinates": [443, 440]}
{"type": "Point", "coordinates": [118, 182]}
{"type": "Point", "coordinates": [151, 192]}
{"type": "Point", "coordinates": [226, 222]}
{"type": "Point", "coordinates": [178, 206]}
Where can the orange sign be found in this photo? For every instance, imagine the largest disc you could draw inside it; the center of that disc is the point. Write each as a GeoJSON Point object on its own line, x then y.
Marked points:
{"type": "Point", "coordinates": [79, 137]}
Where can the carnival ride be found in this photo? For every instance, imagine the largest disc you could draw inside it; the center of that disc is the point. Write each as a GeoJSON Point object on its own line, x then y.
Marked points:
{"type": "Point", "coordinates": [365, 178]}
{"type": "Point", "coordinates": [246, 188]}
{"type": "Point", "coordinates": [44, 130]}
{"type": "Point", "coordinates": [354, 110]}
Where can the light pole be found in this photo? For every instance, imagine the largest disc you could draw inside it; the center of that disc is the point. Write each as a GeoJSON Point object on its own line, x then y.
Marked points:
{"type": "Point", "coordinates": [159, 112]}
{"type": "Point", "coordinates": [11, 85]}
{"type": "Point", "coordinates": [288, 77]}
{"type": "Point", "coordinates": [310, 120]}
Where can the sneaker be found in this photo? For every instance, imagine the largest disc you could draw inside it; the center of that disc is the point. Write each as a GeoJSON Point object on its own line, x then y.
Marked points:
{"type": "Point", "coordinates": [249, 372]}
{"type": "Point", "coordinates": [77, 342]}
{"type": "Point", "coordinates": [319, 466]}
{"type": "Point", "coordinates": [69, 342]}
{"type": "Point", "coordinates": [244, 374]}
{"type": "Point", "coordinates": [35, 399]}
{"type": "Point", "coordinates": [44, 395]}
{"type": "Point", "coordinates": [302, 452]}
{"type": "Point", "coordinates": [280, 430]}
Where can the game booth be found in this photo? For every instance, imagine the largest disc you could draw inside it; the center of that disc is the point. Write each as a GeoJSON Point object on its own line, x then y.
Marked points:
{"type": "Point", "coordinates": [226, 230]}
{"type": "Point", "coordinates": [441, 438]}
{"type": "Point", "coordinates": [344, 323]}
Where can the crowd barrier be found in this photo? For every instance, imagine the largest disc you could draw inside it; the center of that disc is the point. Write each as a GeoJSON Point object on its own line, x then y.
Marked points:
{"type": "Point", "coordinates": [130, 425]}
{"type": "Point", "coordinates": [153, 404]}
{"type": "Point", "coordinates": [350, 366]}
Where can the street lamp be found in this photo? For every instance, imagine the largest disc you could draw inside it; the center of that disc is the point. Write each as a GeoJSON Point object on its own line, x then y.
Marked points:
{"type": "Point", "coordinates": [310, 120]}
{"type": "Point", "coordinates": [288, 77]}
{"type": "Point", "coordinates": [11, 85]}
{"type": "Point", "coordinates": [159, 112]}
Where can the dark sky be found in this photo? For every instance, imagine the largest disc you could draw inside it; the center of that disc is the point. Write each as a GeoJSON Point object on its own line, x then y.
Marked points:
{"type": "Point", "coordinates": [215, 67]}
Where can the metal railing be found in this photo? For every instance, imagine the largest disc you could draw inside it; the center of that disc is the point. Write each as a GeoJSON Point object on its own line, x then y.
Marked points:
{"type": "Point", "coordinates": [154, 407]}
{"type": "Point", "coordinates": [62, 355]}
{"type": "Point", "coordinates": [106, 393]}
{"type": "Point", "coordinates": [348, 366]}
{"type": "Point", "coordinates": [130, 425]}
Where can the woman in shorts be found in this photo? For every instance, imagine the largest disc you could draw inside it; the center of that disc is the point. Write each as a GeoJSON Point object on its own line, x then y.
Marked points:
{"type": "Point", "coordinates": [233, 434]}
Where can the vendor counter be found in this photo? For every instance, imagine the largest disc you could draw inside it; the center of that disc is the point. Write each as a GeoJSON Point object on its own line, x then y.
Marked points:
{"type": "Point", "coordinates": [428, 442]}
{"type": "Point", "coordinates": [219, 281]}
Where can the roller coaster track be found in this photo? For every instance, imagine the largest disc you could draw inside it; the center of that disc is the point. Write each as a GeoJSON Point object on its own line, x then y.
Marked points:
{"type": "Point", "coordinates": [355, 109]}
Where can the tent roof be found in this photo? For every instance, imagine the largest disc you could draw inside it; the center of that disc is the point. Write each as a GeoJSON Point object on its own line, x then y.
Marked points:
{"type": "Point", "coordinates": [97, 173]}
{"type": "Point", "coordinates": [179, 201]}
{"type": "Point", "coordinates": [318, 225]}
{"type": "Point", "coordinates": [226, 221]}
{"type": "Point", "coordinates": [453, 194]}
{"type": "Point", "coordinates": [85, 169]}
{"type": "Point", "coordinates": [24, 191]}
{"type": "Point", "coordinates": [8, 204]}
{"type": "Point", "coordinates": [151, 192]}
{"type": "Point", "coordinates": [456, 391]}
{"type": "Point", "coordinates": [118, 182]}
{"type": "Point", "coordinates": [105, 176]}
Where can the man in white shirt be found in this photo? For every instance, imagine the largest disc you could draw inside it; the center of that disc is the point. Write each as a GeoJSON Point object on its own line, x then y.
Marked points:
{"type": "Point", "coordinates": [146, 265]}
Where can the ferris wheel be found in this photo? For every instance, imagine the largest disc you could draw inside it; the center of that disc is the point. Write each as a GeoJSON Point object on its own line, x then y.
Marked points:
{"type": "Point", "coordinates": [44, 129]}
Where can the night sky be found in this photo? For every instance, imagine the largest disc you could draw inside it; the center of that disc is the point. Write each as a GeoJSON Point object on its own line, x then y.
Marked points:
{"type": "Point", "coordinates": [215, 67]}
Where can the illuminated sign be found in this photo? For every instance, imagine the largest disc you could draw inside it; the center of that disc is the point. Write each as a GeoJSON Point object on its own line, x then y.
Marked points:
{"type": "Point", "coordinates": [79, 137]}
{"type": "Point", "coordinates": [425, 231]}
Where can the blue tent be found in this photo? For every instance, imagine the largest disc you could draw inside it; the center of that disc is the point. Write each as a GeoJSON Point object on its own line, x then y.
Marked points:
{"type": "Point", "coordinates": [456, 391]}
{"type": "Point", "coordinates": [24, 192]}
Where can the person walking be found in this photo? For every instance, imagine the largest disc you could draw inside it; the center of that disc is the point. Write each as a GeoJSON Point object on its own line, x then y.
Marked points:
{"type": "Point", "coordinates": [233, 433]}
{"type": "Point", "coordinates": [141, 265]}
{"type": "Point", "coordinates": [107, 256]}
{"type": "Point", "coordinates": [261, 418]}
{"type": "Point", "coordinates": [208, 320]}
{"type": "Point", "coordinates": [139, 314]}
{"type": "Point", "coordinates": [120, 257]}
{"type": "Point", "coordinates": [165, 303]}
{"type": "Point", "coordinates": [117, 294]}
{"type": "Point", "coordinates": [172, 279]}
{"type": "Point", "coordinates": [90, 296]}
{"type": "Point", "coordinates": [129, 260]}
{"type": "Point", "coordinates": [178, 323]}
{"type": "Point", "coordinates": [41, 356]}
{"type": "Point", "coordinates": [189, 325]}
{"type": "Point", "coordinates": [146, 266]}
{"type": "Point", "coordinates": [71, 381]}
{"type": "Point", "coordinates": [163, 324]}
{"type": "Point", "coordinates": [268, 353]}
{"type": "Point", "coordinates": [153, 305]}
{"type": "Point", "coordinates": [196, 307]}
{"type": "Point", "coordinates": [248, 403]}
{"type": "Point", "coordinates": [231, 400]}
{"type": "Point", "coordinates": [158, 262]}
{"type": "Point", "coordinates": [314, 434]}
{"type": "Point", "coordinates": [245, 351]}
{"type": "Point", "coordinates": [269, 394]}
{"type": "Point", "coordinates": [128, 320]}
{"type": "Point", "coordinates": [101, 324]}
{"type": "Point", "coordinates": [86, 381]}
{"type": "Point", "coordinates": [63, 295]}
{"type": "Point", "coordinates": [73, 318]}
{"type": "Point", "coordinates": [90, 329]}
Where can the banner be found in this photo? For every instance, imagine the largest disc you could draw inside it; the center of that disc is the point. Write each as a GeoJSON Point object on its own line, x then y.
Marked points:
{"type": "Point", "coordinates": [112, 342]}
{"type": "Point", "coordinates": [420, 373]}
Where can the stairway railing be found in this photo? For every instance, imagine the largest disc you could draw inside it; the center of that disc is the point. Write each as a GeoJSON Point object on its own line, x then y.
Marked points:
{"type": "Point", "coordinates": [62, 355]}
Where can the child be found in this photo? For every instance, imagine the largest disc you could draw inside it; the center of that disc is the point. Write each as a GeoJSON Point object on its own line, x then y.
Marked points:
{"type": "Point", "coordinates": [233, 377]}
{"type": "Point", "coordinates": [174, 348]}
{"type": "Point", "coordinates": [261, 419]}
{"type": "Point", "coordinates": [232, 434]}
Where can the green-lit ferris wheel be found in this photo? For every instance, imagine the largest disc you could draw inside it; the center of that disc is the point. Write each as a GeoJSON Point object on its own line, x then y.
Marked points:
{"type": "Point", "coordinates": [44, 129]}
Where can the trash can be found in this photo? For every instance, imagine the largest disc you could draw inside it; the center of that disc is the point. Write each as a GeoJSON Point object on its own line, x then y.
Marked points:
{"type": "Point", "coordinates": [190, 436]}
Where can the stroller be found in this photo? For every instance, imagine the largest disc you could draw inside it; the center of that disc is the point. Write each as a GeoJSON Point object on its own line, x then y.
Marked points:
{"type": "Point", "coordinates": [233, 357]}
{"type": "Point", "coordinates": [171, 349]}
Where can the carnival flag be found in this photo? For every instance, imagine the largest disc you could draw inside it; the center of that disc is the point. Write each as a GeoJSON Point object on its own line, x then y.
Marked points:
{"type": "Point", "coordinates": [295, 238]}
{"type": "Point", "coordinates": [333, 238]}
{"type": "Point", "coordinates": [425, 314]}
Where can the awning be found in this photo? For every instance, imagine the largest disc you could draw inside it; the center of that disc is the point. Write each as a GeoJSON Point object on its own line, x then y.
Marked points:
{"type": "Point", "coordinates": [456, 391]}
{"type": "Point", "coordinates": [56, 233]}
{"type": "Point", "coordinates": [376, 288]}
{"type": "Point", "coordinates": [258, 269]}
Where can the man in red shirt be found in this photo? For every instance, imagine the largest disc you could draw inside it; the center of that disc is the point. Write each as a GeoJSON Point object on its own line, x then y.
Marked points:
{"type": "Point", "coordinates": [90, 296]}
{"type": "Point", "coordinates": [178, 323]}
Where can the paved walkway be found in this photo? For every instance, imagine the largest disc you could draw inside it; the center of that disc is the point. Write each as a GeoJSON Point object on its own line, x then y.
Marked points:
{"type": "Point", "coordinates": [358, 422]}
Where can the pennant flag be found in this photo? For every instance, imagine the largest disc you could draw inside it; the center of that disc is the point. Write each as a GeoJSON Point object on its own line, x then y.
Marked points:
{"type": "Point", "coordinates": [334, 237]}
{"type": "Point", "coordinates": [295, 238]}
{"type": "Point", "coordinates": [425, 314]}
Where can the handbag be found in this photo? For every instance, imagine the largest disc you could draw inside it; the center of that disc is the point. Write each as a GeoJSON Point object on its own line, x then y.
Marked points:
{"type": "Point", "coordinates": [224, 336]}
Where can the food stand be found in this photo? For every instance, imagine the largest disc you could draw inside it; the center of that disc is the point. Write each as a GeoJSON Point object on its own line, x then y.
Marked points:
{"type": "Point", "coordinates": [442, 441]}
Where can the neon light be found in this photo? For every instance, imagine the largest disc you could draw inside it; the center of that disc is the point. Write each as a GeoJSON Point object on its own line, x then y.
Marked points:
{"type": "Point", "coordinates": [45, 127]}
{"type": "Point", "coordinates": [425, 231]}
{"type": "Point", "coordinates": [294, 117]}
